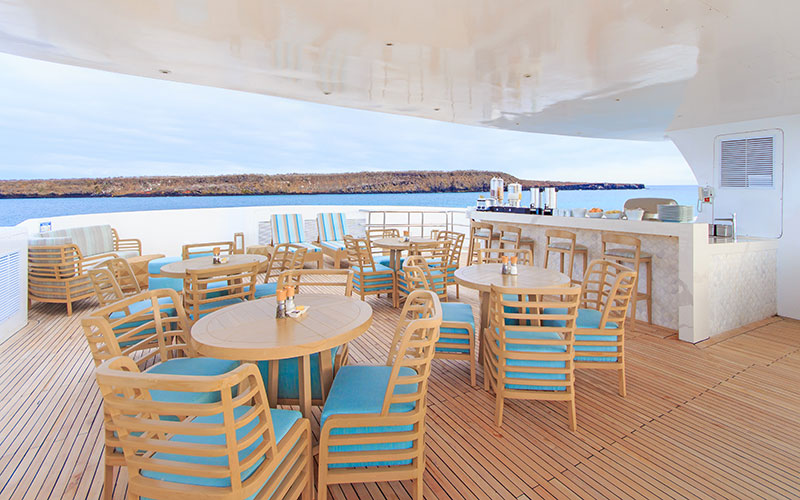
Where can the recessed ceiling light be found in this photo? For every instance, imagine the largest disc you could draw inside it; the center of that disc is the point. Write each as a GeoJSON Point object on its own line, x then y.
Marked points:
{"type": "Point", "coordinates": [326, 92]}
{"type": "Point", "coordinates": [389, 44]}
{"type": "Point", "coordinates": [164, 71]}
{"type": "Point", "coordinates": [526, 75]}
{"type": "Point", "coordinates": [436, 109]}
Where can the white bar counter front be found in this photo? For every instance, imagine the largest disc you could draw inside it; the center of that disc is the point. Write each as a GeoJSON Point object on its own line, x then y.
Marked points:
{"type": "Point", "coordinates": [701, 286]}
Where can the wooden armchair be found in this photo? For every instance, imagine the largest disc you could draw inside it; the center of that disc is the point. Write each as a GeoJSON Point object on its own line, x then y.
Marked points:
{"type": "Point", "coordinates": [126, 245]}
{"type": "Point", "coordinates": [231, 448]}
{"type": "Point", "coordinates": [57, 274]}
{"type": "Point", "coordinates": [374, 416]}
{"type": "Point", "coordinates": [208, 290]}
{"type": "Point", "coordinates": [369, 277]}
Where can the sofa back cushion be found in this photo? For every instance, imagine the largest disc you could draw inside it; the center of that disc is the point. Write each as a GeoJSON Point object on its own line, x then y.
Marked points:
{"type": "Point", "coordinates": [91, 240]}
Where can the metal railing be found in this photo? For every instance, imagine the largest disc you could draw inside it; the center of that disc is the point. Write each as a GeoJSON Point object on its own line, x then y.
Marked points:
{"type": "Point", "coordinates": [417, 222]}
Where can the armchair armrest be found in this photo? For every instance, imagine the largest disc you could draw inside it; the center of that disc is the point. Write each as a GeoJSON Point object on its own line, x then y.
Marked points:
{"type": "Point", "coordinates": [128, 244]}
{"type": "Point", "coordinates": [93, 260]}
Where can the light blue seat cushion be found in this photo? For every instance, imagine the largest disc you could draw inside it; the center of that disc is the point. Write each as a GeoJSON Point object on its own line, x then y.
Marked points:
{"type": "Point", "coordinates": [456, 312]}
{"type": "Point", "coordinates": [288, 380]}
{"type": "Point", "coordinates": [160, 282]}
{"type": "Point", "coordinates": [511, 346]}
{"type": "Point", "coordinates": [360, 390]}
{"type": "Point", "coordinates": [587, 318]}
{"type": "Point", "coordinates": [155, 265]}
{"type": "Point", "coordinates": [384, 280]}
{"type": "Point", "coordinates": [137, 307]}
{"type": "Point", "coordinates": [191, 366]}
{"type": "Point", "coordinates": [282, 421]}
{"type": "Point", "coordinates": [214, 305]}
{"type": "Point", "coordinates": [266, 289]}
{"type": "Point", "coordinates": [310, 247]}
{"type": "Point", "coordinates": [333, 245]}
{"type": "Point", "coordinates": [385, 260]}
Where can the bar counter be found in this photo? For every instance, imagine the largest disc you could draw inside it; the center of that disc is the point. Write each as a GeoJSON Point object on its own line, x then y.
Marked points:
{"type": "Point", "coordinates": [701, 286]}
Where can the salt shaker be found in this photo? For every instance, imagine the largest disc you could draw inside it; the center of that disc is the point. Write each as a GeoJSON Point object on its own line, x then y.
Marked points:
{"type": "Point", "coordinates": [513, 270]}
{"type": "Point", "coordinates": [280, 313]}
{"type": "Point", "coordinates": [504, 269]}
{"type": "Point", "coordinates": [290, 299]}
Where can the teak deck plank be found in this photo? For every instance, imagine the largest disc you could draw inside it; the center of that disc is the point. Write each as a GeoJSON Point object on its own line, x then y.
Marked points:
{"type": "Point", "coordinates": [700, 421]}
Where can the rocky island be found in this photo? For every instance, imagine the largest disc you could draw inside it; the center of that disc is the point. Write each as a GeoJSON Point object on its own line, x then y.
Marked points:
{"type": "Point", "coordinates": [257, 184]}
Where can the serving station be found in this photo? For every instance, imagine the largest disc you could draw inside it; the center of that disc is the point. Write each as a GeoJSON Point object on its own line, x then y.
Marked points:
{"type": "Point", "coordinates": [702, 286]}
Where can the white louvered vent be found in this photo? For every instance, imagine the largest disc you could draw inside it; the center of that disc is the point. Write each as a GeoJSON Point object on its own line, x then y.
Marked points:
{"type": "Point", "coordinates": [747, 163]}
{"type": "Point", "coordinates": [10, 288]}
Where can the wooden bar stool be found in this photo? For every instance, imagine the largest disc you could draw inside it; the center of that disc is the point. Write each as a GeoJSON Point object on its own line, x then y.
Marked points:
{"type": "Point", "coordinates": [511, 237]}
{"type": "Point", "coordinates": [566, 247]}
{"type": "Point", "coordinates": [479, 232]}
{"type": "Point", "coordinates": [628, 250]}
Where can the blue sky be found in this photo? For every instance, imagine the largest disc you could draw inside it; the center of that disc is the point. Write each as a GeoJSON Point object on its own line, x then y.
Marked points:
{"type": "Point", "coordinates": [61, 121]}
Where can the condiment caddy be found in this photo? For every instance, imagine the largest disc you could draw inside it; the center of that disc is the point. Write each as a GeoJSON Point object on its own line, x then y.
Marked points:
{"type": "Point", "coordinates": [286, 307]}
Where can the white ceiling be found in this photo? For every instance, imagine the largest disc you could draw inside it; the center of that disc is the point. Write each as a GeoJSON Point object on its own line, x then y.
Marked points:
{"type": "Point", "coordinates": [603, 68]}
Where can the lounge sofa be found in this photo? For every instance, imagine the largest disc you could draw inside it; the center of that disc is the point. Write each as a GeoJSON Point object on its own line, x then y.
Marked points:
{"type": "Point", "coordinates": [58, 261]}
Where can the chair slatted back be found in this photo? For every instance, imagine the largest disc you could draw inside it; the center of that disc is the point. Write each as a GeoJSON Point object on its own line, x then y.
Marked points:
{"type": "Point", "coordinates": [287, 228]}
{"type": "Point", "coordinates": [285, 257]}
{"type": "Point", "coordinates": [516, 320]}
{"type": "Point", "coordinates": [607, 287]}
{"type": "Point", "coordinates": [192, 250]}
{"type": "Point", "coordinates": [106, 287]}
{"type": "Point", "coordinates": [331, 226]}
{"type": "Point", "coordinates": [456, 245]}
{"type": "Point", "coordinates": [413, 347]}
{"type": "Point", "coordinates": [417, 275]}
{"type": "Point", "coordinates": [239, 422]}
{"type": "Point", "coordinates": [238, 243]}
{"type": "Point", "coordinates": [208, 290]}
{"type": "Point", "coordinates": [328, 278]}
{"type": "Point", "coordinates": [359, 253]}
{"type": "Point", "coordinates": [50, 263]}
{"type": "Point", "coordinates": [156, 328]}
{"type": "Point", "coordinates": [495, 255]}
{"type": "Point", "coordinates": [377, 233]}
{"type": "Point", "coordinates": [616, 241]}
{"type": "Point", "coordinates": [509, 235]}
{"type": "Point", "coordinates": [123, 273]}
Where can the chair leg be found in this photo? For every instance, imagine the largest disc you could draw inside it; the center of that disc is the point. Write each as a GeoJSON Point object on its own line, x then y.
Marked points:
{"type": "Point", "coordinates": [458, 296]}
{"type": "Point", "coordinates": [561, 262]}
{"type": "Point", "coordinates": [546, 257]}
{"type": "Point", "coordinates": [498, 408]}
{"type": "Point", "coordinates": [418, 486]}
{"type": "Point", "coordinates": [649, 283]}
{"type": "Point", "coordinates": [573, 420]}
{"type": "Point", "coordinates": [69, 308]}
{"type": "Point", "coordinates": [623, 390]}
{"type": "Point", "coordinates": [108, 481]}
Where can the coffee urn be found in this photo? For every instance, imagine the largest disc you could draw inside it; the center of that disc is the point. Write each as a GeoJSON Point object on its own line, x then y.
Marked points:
{"type": "Point", "coordinates": [536, 201]}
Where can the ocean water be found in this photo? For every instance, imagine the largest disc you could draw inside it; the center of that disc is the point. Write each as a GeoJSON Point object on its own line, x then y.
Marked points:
{"type": "Point", "coordinates": [14, 211]}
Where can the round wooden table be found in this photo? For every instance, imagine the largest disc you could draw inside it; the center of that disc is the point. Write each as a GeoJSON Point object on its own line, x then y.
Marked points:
{"type": "Point", "coordinates": [397, 245]}
{"type": "Point", "coordinates": [481, 277]}
{"type": "Point", "coordinates": [178, 269]}
{"type": "Point", "coordinates": [250, 332]}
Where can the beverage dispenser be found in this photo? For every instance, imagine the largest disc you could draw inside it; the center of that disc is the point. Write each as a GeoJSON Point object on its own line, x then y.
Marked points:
{"type": "Point", "coordinates": [496, 190]}
{"type": "Point", "coordinates": [515, 194]}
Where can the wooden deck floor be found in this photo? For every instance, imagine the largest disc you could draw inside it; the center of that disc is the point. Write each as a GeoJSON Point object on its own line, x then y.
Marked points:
{"type": "Point", "coordinates": [714, 421]}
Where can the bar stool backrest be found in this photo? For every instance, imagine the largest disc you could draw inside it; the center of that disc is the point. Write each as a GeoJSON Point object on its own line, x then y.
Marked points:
{"type": "Point", "coordinates": [509, 234]}
{"type": "Point", "coordinates": [628, 248]}
{"type": "Point", "coordinates": [561, 234]}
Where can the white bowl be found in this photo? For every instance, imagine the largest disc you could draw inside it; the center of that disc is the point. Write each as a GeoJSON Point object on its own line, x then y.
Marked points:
{"type": "Point", "coordinates": [634, 214]}
{"type": "Point", "coordinates": [617, 215]}
{"type": "Point", "coordinates": [595, 215]}
{"type": "Point", "coordinates": [579, 212]}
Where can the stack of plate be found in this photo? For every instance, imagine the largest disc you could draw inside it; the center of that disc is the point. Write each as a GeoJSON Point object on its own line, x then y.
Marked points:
{"type": "Point", "coordinates": [675, 213]}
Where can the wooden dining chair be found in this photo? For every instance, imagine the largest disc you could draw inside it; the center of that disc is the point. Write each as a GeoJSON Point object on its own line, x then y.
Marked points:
{"type": "Point", "coordinates": [152, 329]}
{"type": "Point", "coordinates": [233, 447]}
{"type": "Point", "coordinates": [193, 250]}
{"type": "Point", "coordinates": [381, 255]}
{"type": "Point", "coordinates": [281, 258]}
{"type": "Point", "coordinates": [208, 290]}
{"type": "Point", "coordinates": [436, 258]}
{"type": "Point", "coordinates": [457, 338]}
{"type": "Point", "coordinates": [525, 359]}
{"type": "Point", "coordinates": [369, 278]}
{"type": "Point", "coordinates": [373, 424]}
{"type": "Point", "coordinates": [106, 286]}
{"type": "Point", "coordinates": [318, 278]}
{"type": "Point", "coordinates": [238, 243]}
{"type": "Point", "coordinates": [454, 261]}
{"type": "Point", "coordinates": [600, 332]}
{"type": "Point", "coordinates": [495, 255]}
